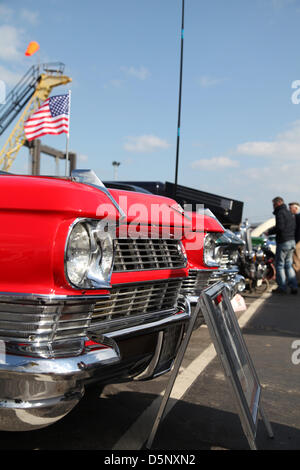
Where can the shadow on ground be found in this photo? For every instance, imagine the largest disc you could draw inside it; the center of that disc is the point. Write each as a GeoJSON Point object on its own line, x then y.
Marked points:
{"type": "Point", "coordinates": [98, 423]}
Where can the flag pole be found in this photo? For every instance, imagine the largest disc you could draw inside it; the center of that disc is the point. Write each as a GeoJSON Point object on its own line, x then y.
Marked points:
{"type": "Point", "coordinates": [179, 101]}
{"type": "Point", "coordinates": [67, 139]}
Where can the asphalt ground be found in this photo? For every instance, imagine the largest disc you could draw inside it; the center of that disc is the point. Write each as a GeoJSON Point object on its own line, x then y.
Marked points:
{"type": "Point", "coordinates": [202, 412]}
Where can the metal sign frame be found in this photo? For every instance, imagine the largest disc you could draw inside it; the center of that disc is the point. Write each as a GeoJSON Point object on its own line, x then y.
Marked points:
{"type": "Point", "coordinates": [230, 346]}
{"type": "Point", "coordinates": [233, 353]}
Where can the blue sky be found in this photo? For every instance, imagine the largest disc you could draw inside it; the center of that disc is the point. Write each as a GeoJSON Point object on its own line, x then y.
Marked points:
{"type": "Point", "coordinates": [240, 130]}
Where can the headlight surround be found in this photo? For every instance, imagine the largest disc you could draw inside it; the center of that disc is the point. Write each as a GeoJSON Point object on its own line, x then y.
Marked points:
{"type": "Point", "coordinates": [89, 255]}
{"type": "Point", "coordinates": [219, 251]}
{"type": "Point", "coordinates": [210, 255]}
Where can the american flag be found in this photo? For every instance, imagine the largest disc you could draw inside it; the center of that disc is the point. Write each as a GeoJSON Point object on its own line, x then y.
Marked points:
{"type": "Point", "coordinates": [52, 117]}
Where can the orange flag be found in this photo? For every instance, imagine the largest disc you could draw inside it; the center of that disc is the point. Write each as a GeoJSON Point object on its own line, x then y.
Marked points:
{"type": "Point", "coordinates": [32, 48]}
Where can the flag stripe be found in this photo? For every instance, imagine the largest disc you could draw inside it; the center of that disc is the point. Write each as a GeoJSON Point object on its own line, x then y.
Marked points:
{"type": "Point", "coordinates": [40, 115]}
{"type": "Point", "coordinates": [42, 108]}
{"type": "Point", "coordinates": [45, 118]}
{"type": "Point", "coordinates": [53, 129]}
{"type": "Point", "coordinates": [46, 129]}
{"type": "Point", "coordinates": [59, 130]}
{"type": "Point", "coordinates": [46, 121]}
{"type": "Point", "coordinates": [44, 133]}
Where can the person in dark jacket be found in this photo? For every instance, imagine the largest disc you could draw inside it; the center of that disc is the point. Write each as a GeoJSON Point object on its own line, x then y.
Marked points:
{"type": "Point", "coordinates": [285, 245]}
{"type": "Point", "coordinates": [295, 210]}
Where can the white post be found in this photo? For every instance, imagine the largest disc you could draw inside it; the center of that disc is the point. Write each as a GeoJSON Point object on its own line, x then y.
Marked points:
{"type": "Point", "coordinates": [67, 140]}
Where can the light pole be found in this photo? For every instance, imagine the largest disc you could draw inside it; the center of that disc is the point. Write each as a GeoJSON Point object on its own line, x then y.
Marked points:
{"type": "Point", "coordinates": [179, 102]}
{"type": "Point", "coordinates": [116, 166]}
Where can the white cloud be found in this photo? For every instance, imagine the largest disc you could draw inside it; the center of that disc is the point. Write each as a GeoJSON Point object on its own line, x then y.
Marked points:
{"type": "Point", "coordinates": [115, 83]}
{"type": "Point", "coordinates": [8, 77]}
{"type": "Point", "coordinates": [256, 174]}
{"type": "Point", "coordinates": [6, 13]}
{"type": "Point", "coordinates": [25, 15]}
{"type": "Point", "coordinates": [145, 144]}
{"type": "Point", "coordinates": [29, 16]}
{"type": "Point", "coordinates": [282, 179]}
{"type": "Point", "coordinates": [285, 145]}
{"type": "Point", "coordinates": [142, 73]}
{"type": "Point", "coordinates": [214, 163]}
{"type": "Point", "coordinates": [83, 158]}
{"type": "Point", "coordinates": [278, 4]}
{"type": "Point", "coordinates": [11, 43]}
{"type": "Point", "coordinates": [206, 81]}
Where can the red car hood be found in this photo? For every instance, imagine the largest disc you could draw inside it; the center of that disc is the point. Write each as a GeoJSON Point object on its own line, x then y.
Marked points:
{"type": "Point", "coordinates": [150, 209]}
{"type": "Point", "coordinates": [50, 194]}
{"type": "Point", "coordinates": [205, 223]}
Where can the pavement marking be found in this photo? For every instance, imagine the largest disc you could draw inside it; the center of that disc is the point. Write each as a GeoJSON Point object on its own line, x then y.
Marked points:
{"type": "Point", "coordinates": [136, 436]}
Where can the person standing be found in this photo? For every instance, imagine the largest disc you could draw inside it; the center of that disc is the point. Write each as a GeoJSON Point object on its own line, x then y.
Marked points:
{"type": "Point", "coordinates": [295, 209]}
{"type": "Point", "coordinates": [285, 244]}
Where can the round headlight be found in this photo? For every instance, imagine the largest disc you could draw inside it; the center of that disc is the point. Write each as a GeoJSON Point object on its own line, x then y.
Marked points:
{"type": "Point", "coordinates": [104, 264]}
{"type": "Point", "coordinates": [89, 255]}
{"type": "Point", "coordinates": [209, 249]}
{"type": "Point", "coordinates": [78, 254]}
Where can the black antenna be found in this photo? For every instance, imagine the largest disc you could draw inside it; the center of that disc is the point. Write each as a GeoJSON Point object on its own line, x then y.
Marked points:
{"type": "Point", "coordinates": [179, 103]}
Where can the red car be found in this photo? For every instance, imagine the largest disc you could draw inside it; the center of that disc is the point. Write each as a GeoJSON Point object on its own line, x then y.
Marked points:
{"type": "Point", "coordinates": [206, 259]}
{"type": "Point", "coordinates": [80, 301]}
{"type": "Point", "coordinates": [200, 246]}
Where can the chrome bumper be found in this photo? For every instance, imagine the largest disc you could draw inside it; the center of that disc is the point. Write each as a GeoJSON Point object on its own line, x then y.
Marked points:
{"type": "Point", "coordinates": [234, 282]}
{"type": "Point", "coordinates": [36, 392]}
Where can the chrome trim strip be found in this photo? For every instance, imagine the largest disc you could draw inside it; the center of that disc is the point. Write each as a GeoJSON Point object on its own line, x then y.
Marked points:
{"type": "Point", "coordinates": [153, 364]}
{"type": "Point", "coordinates": [129, 284]}
{"type": "Point", "coordinates": [149, 269]}
{"type": "Point", "coordinates": [50, 297]}
{"type": "Point", "coordinates": [49, 368]}
{"type": "Point", "coordinates": [124, 323]}
{"type": "Point", "coordinates": [176, 317]}
{"type": "Point", "coordinates": [192, 299]}
{"type": "Point", "coordinates": [150, 371]}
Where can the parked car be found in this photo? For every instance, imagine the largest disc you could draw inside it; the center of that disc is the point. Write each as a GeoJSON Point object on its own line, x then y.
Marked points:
{"type": "Point", "coordinates": [199, 244]}
{"type": "Point", "coordinates": [256, 261]}
{"type": "Point", "coordinates": [229, 247]}
{"type": "Point", "coordinates": [200, 248]}
{"type": "Point", "coordinates": [223, 265]}
{"type": "Point", "coordinates": [79, 301]}
{"type": "Point", "coordinates": [260, 235]}
{"type": "Point", "coordinates": [205, 257]}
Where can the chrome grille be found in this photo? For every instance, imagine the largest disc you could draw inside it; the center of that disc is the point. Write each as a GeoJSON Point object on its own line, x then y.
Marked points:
{"type": "Point", "coordinates": [196, 281]}
{"type": "Point", "coordinates": [142, 254]}
{"type": "Point", "coordinates": [134, 302]}
{"type": "Point", "coordinates": [224, 260]}
{"type": "Point", "coordinates": [30, 322]}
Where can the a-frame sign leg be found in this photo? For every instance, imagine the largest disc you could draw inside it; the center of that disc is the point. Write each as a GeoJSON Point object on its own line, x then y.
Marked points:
{"type": "Point", "coordinates": [173, 376]}
{"type": "Point", "coordinates": [266, 422]}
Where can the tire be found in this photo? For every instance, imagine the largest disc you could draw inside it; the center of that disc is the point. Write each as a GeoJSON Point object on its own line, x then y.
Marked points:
{"type": "Point", "coordinates": [263, 287]}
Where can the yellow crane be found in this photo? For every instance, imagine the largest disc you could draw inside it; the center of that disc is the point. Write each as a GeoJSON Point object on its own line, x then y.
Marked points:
{"type": "Point", "coordinates": [26, 97]}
